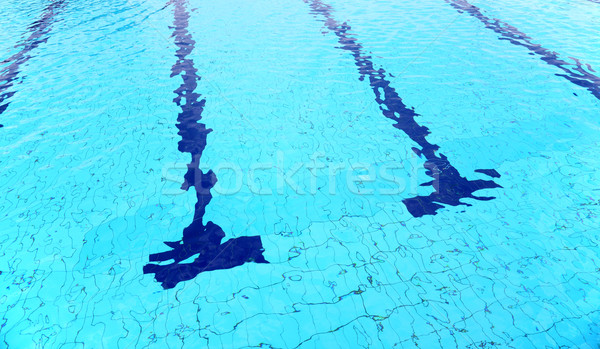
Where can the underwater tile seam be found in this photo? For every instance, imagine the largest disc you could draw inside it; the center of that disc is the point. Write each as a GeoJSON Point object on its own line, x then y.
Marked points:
{"type": "Point", "coordinates": [575, 73]}
{"type": "Point", "coordinates": [38, 29]}
{"type": "Point", "coordinates": [198, 238]}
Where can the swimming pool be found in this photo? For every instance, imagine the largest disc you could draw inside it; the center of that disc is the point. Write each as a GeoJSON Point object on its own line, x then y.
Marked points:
{"type": "Point", "coordinates": [302, 174]}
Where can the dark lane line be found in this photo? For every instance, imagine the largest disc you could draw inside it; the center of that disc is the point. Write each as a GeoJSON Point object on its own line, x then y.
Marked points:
{"type": "Point", "coordinates": [447, 182]}
{"type": "Point", "coordinates": [38, 30]}
{"type": "Point", "coordinates": [574, 72]}
{"type": "Point", "coordinates": [198, 238]}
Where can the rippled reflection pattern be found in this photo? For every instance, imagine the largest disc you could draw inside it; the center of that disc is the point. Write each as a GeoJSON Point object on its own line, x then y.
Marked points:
{"type": "Point", "coordinates": [114, 232]}
{"type": "Point", "coordinates": [578, 73]}
{"type": "Point", "coordinates": [39, 35]}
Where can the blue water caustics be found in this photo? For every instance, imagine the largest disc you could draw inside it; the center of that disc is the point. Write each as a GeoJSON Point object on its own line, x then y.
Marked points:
{"type": "Point", "coordinates": [115, 233]}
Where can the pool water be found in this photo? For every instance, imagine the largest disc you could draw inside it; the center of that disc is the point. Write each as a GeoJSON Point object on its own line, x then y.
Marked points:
{"type": "Point", "coordinates": [300, 174]}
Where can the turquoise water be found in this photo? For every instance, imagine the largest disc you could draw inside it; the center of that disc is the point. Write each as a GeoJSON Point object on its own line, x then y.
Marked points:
{"type": "Point", "coordinates": [91, 174]}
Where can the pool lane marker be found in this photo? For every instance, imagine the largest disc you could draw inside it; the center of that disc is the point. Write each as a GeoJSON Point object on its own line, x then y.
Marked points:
{"type": "Point", "coordinates": [38, 36]}
{"type": "Point", "coordinates": [574, 72]}
{"type": "Point", "coordinates": [203, 240]}
{"type": "Point", "coordinates": [449, 186]}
